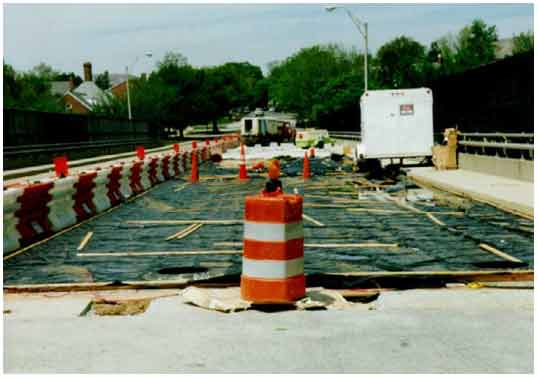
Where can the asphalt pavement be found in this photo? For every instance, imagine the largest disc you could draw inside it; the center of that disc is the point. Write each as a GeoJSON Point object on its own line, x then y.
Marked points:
{"type": "Point", "coordinates": [457, 330]}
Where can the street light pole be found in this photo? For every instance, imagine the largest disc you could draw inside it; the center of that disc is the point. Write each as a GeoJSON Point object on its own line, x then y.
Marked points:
{"type": "Point", "coordinates": [363, 29]}
{"type": "Point", "coordinates": [149, 55]}
{"type": "Point", "coordinates": [128, 96]}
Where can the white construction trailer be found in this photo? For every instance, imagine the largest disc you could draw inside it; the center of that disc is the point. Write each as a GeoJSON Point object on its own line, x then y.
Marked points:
{"type": "Point", "coordinates": [396, 123]}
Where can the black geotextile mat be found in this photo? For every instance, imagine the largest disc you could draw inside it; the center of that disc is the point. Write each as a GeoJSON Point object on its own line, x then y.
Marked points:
{"type": "Point", "coordinates": [423, 245]}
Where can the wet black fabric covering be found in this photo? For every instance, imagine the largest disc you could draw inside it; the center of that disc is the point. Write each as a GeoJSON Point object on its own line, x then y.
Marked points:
{"type": "Point", "coordinates": [423, 245]}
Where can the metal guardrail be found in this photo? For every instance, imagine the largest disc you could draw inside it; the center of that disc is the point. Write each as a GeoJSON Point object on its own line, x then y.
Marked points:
{"type": "Point", "coordinates": [37, 148]}
{"type": "Point", "coordinates": [503, 146]}
{"type": "Point", "coordinates": [497, 135]}
{"type": "Point", "coordinates": [45, 168]}
{"type": "Point", "coordinates": [499, 144]}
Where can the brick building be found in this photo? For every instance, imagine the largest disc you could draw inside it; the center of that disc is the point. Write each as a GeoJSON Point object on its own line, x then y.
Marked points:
{"type": "Point", "coordinates": [82, 98]}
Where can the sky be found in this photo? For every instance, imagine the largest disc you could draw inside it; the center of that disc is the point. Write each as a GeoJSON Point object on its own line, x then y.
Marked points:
{"type": "Point", "coordinates": [112, 36]}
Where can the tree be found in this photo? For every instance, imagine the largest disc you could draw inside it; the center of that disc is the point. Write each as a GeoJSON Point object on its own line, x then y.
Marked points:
{"type": "Point", "coordinates": [77, 80]}
{"type": "Point", "coordinates": [44, 71]}
{"type": "Point", "coordinates": [261, 94]}
{"type": "Point", "coordinates": [172, 59]}
{"type": "Point", "coordinates": [226, 87]}
{"type": "Point", "coordinates": [523, 42]}
{"type": "Point", "coordinates": [178, 85]}
{"type": "Point", "coordinates": [401, 63]}
{"type": "Point", "coordinates": [295, 82]}
{"type": "Point", "coordinates": [11, 87]}
{"type": "Point", "coordinates": [30, 90]}
{"type": "Point", "coordinates": [337, 103]}
{"type": "Point", "coordinates": [476, 45]}
{"type": "Point", "coordinates": [103, 81]}
{"type": "Point", "coordinates": [440, 59]}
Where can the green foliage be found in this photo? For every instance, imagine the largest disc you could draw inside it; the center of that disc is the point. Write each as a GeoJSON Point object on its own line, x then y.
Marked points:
{"type": "Point", "coordinates": [294, 83]}
{"type": "Point", "coordinates": [476, 45]}
{"type": "Point", "coordinates": [320, 83]}
{"type": "Point", "coordinates": [172, 59]}
{"type": "Point", "coordinates": [77, 80]}
{"type": "Point", "coordinates": [523, 42]}
{"type": "Point", "coordinates": [473, 46]}
{"type": "Point", "coordinates": [44, 71]}
{"type": "Point", "coordinates": [337, 103]}
{"type": "Point", "coordinates": [103, 81]}
{"type": "Point", "coordinates": [30, 90]}
{"type": "Point", "coordinates": [261, 94]}
{"type": "Point", "coordinates": [400, 63]}
{"type": "Point", "coordinates": [176, 94]}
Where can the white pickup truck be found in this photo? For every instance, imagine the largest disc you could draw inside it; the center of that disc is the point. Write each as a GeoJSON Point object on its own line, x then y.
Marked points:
{"type": "Point", "coordinates": [396, 123]}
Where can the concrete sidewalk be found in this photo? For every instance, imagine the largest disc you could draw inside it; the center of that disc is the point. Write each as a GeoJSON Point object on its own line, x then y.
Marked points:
{"type": "Point", "coordinates": [507, 194]}
{"type": "Point", "coordinates": [453, 330]}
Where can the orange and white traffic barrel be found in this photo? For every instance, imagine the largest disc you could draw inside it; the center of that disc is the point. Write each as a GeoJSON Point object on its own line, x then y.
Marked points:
{"type": "Point", "coordinates": [273, 248]}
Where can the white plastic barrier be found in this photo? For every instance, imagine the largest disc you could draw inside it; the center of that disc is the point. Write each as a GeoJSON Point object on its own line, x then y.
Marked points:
{"type": "Point", "coordinates": [144, 175]}
{"type": "Point", "coordinates": [11, 205]}
{"type": "Point", "coordinates": [61, 210]}
{"type": "Point", "coordinates": [171, 171]}
{"type": "Point", "coordinates": [100, 191]}
{"type": "Point", "coordinates": [159, 168]}
{"type": "Point", "coordinates": [125, 187]}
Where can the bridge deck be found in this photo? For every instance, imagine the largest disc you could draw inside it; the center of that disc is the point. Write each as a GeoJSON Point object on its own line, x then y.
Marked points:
{"type": "Point", "coordinates": [332, 200]}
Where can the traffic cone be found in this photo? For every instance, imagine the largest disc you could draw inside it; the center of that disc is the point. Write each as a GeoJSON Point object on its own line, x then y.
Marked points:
{"type": "Point", "coordinates": [194, 164]}
{"type": "Point", "coordinates": [242, 164]}
{"type": "Point", "coordinates": [306, 167]}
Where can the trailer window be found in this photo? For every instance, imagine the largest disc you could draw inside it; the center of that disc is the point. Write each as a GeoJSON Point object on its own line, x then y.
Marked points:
{"type": "Point", "coordinates": [248, 125]}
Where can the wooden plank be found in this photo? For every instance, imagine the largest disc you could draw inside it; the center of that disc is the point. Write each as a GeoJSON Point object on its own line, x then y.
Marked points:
{"type": "Point", "coordinates": [312, 220]}
{"type": "Point", "coordinates": [495, 251]}
{"type": "Point", "coordinates": [179, 233]}
{"type": "Point", "coordinates": [85, 241]}
{"type": "Point", "coordinates": [196, 227]}
{"type": "Point", "coordinates": [330, 245]}
{"type": "Point", "coordinates": [477, 275]}
{"type": "Point", "coordinates": [464, 276]}
{"type": "Point", "coordinates": [368, 210]}
{"type": "Point", "coordinates": [322, 205]}
{"type": "Point", "coordinates": [172, 222]}
{"type": "Point", "coordinates": [353, 245]}
{"type": "Point", "coordinates": [180, 188]}
{"type": "Point", "coordinates": [435, 220]}
{"type": "Point", "coordinates": [159, 253]}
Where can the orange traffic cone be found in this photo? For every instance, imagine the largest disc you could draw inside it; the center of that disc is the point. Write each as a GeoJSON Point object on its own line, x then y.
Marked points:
{"type": "Point", "coordinates": [306, 167]}
{"type": "Point", "coordinates": [242, 164]}
{"type": "Point", "coordinates": [194, 164]}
